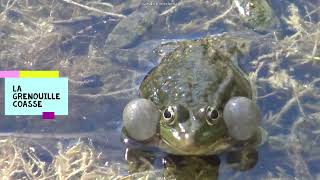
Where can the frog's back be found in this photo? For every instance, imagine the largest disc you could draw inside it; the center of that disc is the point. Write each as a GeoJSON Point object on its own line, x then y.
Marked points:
{"type": "Point", "coordinates": [195, 74]}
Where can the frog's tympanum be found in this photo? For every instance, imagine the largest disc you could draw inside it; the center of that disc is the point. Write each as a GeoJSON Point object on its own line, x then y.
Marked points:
{"type": "Point", "coordinates": [197, 103]}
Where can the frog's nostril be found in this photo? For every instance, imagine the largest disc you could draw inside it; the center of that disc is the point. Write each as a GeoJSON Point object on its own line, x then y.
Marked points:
{"type": "Point", "coordinates": [200, 114]}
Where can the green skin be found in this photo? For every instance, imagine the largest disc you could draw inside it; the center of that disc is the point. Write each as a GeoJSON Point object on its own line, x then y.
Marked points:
{"type": "Point", "coordinates": [197, 75]}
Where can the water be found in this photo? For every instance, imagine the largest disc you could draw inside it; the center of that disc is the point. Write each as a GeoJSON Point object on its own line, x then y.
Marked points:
{"type": "Point", "coordinates": [104, 77]}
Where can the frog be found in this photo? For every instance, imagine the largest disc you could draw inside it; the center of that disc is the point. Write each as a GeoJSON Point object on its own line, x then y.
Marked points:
{"type": "Point", "coordinates": [257, 14]}
{"type": "Point", "coordinates": [198, 102]}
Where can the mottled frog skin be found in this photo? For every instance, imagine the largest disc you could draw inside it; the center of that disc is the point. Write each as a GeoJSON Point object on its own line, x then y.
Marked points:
{"type": "Point", "coordinates": [185, 101]}
{"type": "Point", "coordinates": [196, 76]}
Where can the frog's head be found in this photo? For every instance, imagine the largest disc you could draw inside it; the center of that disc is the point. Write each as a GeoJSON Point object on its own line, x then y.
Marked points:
{"type": "Point", "coordinates": [191, 130]}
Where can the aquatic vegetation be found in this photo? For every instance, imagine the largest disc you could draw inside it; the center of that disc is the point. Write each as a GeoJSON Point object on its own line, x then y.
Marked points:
{"type": "Point", "coordinates": [21, 160]}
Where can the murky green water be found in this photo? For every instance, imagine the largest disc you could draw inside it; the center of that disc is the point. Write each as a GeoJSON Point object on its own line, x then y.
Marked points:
{"type": "Point", "coordinates": [106, 55]}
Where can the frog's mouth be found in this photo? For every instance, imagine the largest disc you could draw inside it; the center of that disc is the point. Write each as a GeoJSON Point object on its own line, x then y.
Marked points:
{"type": "Point", "coordinates": [193, 142]}
{"type": "Point", "coordinates": [185, 148]}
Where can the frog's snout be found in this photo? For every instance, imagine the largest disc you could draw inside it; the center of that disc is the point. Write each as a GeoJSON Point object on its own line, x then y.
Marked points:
{"type": "Point", "coordinates": [187, 130]}
{"type": "Point", "coordinates": [187, 139]}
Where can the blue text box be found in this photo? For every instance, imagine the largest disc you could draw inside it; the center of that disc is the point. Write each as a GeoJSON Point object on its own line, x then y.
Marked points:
{"type": "Point", "coordinates": [37, 85]}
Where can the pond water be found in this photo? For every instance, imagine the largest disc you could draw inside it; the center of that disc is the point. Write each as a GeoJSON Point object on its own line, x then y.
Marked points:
{"type": "Point", "coordinates": [106, 48]}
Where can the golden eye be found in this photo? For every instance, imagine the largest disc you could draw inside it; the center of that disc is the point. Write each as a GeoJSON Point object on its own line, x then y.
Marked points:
{"type": "Point", "coordinates": [169, 115]}
{"type": "Point", "coordinates": [212, 115]}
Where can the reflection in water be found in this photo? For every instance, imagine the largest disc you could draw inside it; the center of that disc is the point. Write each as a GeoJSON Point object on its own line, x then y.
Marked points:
{"type": "Point", "coordinates": [185, 167]}
{"type": "Point", "coordinates": [173, 166]}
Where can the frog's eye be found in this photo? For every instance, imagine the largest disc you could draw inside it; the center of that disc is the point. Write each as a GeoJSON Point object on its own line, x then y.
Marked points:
{"type": "Point", "coordinates": [212, 115]}
{"type": "Point", "coordinates": [169, 115]}
{"type": "Point", "coordinates": [242, 117]}
{"type": "Point", "coordinates": [140, 119]}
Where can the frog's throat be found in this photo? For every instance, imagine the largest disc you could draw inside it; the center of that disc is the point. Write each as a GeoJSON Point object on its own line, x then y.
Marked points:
{"type": "Point", "coordinates": [215, 148]}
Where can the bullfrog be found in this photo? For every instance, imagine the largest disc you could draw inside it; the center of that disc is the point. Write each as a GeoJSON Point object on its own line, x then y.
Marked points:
{"type": "Point", "coordinates": [198, 102]}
